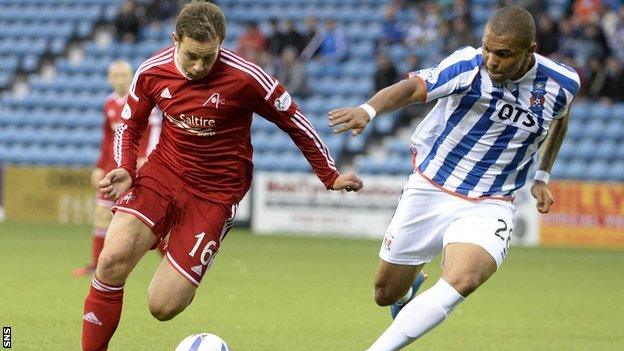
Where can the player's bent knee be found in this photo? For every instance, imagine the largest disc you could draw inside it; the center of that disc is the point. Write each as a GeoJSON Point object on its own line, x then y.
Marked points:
{"type": "Point", "coordinates": [112, 267]}
{"type": "Point", "coordinates": [385, 297]}
{"type": "Point", "coordinates": [163, 311]}
{"type": "Point", "coordinates": [465, 284]}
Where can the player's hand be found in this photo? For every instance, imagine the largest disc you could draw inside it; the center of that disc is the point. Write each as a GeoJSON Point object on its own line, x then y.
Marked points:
{"type": "Point", "coordinates": [544, 197]}
{"type": "Point", "coordinates": [115, 183]}
{"type": "Point", "coordinates": [348, 182]}
{"type": "Point", "coordinates": [96, 176]}
{"type": "Point", "coordinates": [349, 118]}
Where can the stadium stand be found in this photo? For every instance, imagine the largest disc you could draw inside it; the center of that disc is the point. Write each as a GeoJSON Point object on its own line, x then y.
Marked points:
{"type": "Point", "coordinates": [58, 120]}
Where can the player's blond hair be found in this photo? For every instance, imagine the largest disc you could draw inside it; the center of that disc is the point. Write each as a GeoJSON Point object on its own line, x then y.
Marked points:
{"type": "Point", "coordinates": [201, 21]}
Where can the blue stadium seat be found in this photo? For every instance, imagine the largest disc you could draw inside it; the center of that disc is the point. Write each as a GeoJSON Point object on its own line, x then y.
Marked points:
{"type": "Point", "coordinates": [616, 171]}
{"type": "Point", "coordinates": [605, 150]}
{"type": "Point", "coordinates": [600, 111]}
{"type": "Point", "coordinates": [559, 170]}
{"type": "Point", "coordinates": [617, 111]}
{"type": "Point", "coordinates": [598, 170]}
{"type": "Point", "coordinates": [576, 169]}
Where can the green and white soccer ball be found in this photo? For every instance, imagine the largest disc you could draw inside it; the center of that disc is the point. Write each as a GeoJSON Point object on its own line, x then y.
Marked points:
{"type": "Point", "coordinates": [202, 342]}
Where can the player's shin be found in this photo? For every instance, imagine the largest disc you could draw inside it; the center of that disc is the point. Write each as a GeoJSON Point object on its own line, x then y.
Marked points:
{"type": "Point", "coordinates": [420, 315]}
{"type": "Point", "coordinates": [102, 310]}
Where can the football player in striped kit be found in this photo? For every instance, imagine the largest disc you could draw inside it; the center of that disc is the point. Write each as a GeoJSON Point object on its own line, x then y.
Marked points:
{"type": "Point", "coordinates": [199, 171]}
{"type": "Point", "coordinates": [496, 106]}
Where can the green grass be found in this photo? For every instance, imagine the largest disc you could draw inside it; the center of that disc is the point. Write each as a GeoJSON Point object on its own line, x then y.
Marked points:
{"type": "Point", "coordinates": [301, 293]}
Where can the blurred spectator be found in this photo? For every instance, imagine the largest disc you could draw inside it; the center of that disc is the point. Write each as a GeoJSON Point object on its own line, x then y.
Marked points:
{"type": "Point", "coordinates": [292, 38]}
{"type": "Point", "coordinates": [267, 62]}
{"type": "Point", "coordinates": [276, 37]}
{"type": "Point", "coordinates": [161, 10]}
{"type": "Point", "coordinates": [586, 11]}
{"type": "Point", "coordinates": [595, 78]}
{"type": "Point", "coordinates": [423, 30]}
{"type": "Point", "coordinates": [290, 72]}
{"type": "Point", "coordinates": [313, 37]}
{"type": "Point", "coordinates": [127, 22]}
{"type": "Point", "coordinates": [613, 88]}
{"type": "Point", "coordinates": [333, 45]}
{"type": "Point", "coordinates": [547, 35]}
{"type": "Point", "coordinates": [386, 73]}
{"type": "Point", "coordinates": [461, 10]}
{"type": "Point", "coordinates": [311, 29]}
{"type": "Point", "coordinates": [591, 43]}
{"type": "Point", "coordinates": [567, 39]}
{"type": "Point", "coordinates": [460, 35]}
{"type": "Point", "coordinates": [392, 29]}
{"type": "Point", "coordinates": [252, 42]}
{"type": "Point", "coordinates": [613, 26]}
{"type": "Point", "coordinates": [412, 64]}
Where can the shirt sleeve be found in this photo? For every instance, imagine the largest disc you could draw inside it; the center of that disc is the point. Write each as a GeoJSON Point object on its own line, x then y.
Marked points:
{"type": "Point", "coordinates": [570, 84]}
{"type": "Point", "coordinates": [276, 105]}
{"type": "Point", "coordinates": [453, 75]}
{"type": "Point", "coordinates": [134, 120]}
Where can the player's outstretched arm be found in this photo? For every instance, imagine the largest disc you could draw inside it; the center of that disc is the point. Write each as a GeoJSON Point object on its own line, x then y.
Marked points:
{"type": "Point", "coordinates": [553, 142]}
{"type": "Point", "coordinates": [348, 182]}
{"type": "Point", "coordinates": [401, 94]}
{"type": "Point", "coordinates": [115, 183]}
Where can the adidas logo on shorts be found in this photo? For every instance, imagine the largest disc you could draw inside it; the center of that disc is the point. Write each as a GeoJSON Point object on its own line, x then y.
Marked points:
{"type": "Point", "coordinates": [197, 269]}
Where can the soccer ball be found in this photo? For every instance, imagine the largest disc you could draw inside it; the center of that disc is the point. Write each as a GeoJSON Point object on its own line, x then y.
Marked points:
{"type": "Point", "coordinates": [202, 342]}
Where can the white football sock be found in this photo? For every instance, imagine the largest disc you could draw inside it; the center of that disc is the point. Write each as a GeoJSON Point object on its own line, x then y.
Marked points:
{"type": "Point", "coordinates": [420, 315]}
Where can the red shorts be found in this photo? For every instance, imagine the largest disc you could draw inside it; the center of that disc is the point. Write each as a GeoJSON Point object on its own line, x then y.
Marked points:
{"type": "Point", "coordinates": [195, 226]}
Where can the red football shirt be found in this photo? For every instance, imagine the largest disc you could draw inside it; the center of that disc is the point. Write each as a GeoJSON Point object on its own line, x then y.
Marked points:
{"type": "Point", "coordinates": [205, 138]}
{"type": "Point", "coordinates": [112, 117]}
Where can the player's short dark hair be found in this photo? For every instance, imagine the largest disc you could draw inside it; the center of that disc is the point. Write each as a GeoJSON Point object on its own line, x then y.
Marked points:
{"type": "Point", "coordinates": [201, 21]}
{"type": "Point", "coordinates": [513, 21]}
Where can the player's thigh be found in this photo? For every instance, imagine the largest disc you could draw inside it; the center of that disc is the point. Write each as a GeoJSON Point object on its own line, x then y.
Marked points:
{"type": "Point", "coordinates": [474, 247]}
{"type": "Point", "coordinates": [169, 292]}
{"type": "Point", "coordinates": [127, 240]}
{"type": "Point", "coordinates": [467, 266]}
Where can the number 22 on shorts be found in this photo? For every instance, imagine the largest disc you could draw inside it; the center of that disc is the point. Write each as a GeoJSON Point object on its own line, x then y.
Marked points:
{"type": "Point", "coordinates": [502, 230]}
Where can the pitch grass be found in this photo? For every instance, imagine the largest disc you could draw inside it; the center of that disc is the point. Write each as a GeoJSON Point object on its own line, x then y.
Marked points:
{"type": "Point", "coordinates": [302, 293]}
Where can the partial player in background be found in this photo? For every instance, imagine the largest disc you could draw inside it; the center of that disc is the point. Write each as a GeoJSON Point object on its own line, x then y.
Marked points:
{"type": "Point", "coordinates": [200, 170]}
{"type": "Point", "coordinates": [496, 106]}
{"type": "Point", "coordinates": [119, 78]}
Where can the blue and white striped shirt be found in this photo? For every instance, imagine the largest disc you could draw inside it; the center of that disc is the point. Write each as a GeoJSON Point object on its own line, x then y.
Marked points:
{"type": "Point", "coordinates": [481, 138]}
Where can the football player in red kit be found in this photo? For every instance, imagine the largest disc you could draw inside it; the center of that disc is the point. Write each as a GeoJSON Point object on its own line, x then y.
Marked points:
{"type": "Point", "coordinates": [200, 169]}
{"type": "Point", "coordinates": [119, 78]}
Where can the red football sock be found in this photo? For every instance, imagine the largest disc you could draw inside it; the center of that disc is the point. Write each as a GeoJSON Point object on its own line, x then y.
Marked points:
{"type": "Point", "coordinates": [98, 244]}
{"type": "Point", "coordinates": [102, 309]}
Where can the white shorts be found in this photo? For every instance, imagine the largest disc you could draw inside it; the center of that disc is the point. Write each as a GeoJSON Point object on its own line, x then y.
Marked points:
{"type": "Point", "coordinates": [428, 217]}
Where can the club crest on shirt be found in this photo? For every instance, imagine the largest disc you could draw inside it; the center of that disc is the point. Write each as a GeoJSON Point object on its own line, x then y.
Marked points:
{"type": "Point", "coordinates": [537, 98]}
{"type": "Point", "coordinates": [283, 102]}
{"type": "Point", "coordinates": [214, 99]}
